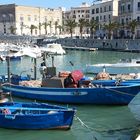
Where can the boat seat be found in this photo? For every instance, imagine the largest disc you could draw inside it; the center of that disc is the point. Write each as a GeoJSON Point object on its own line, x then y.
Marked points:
{"type": "Point", "coordinates": [55, 82]}
{"type": "Point", "coordinates": [50, 71]}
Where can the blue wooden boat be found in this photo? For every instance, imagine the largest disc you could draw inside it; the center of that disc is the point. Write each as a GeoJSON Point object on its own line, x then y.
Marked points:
{"type": "Point", "coordinates": [16, 115]}
{"type": "Point", "coordinates": [109, 95]}
{"type": "Point", "coordinates": [116, 82]}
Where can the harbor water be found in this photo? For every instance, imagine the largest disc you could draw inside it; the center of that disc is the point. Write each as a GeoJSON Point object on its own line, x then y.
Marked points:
{"type": "Point", "coordinates": [91, 122]}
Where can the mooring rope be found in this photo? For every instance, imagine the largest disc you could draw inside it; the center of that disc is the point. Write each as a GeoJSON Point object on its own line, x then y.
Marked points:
{"type": "Point", "coordinates": [121, 92]}
{"type": "Point", "coordinates": [108, 131]}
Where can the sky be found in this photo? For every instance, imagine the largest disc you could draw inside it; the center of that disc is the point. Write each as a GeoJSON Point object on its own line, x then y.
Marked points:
{"type": "Point", "coordinates": [47, 3]}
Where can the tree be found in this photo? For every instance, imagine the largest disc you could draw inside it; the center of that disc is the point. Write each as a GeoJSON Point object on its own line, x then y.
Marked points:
{"type": "Point", "coordinates": [82, 24]}
{"type": "Point", "coordinates": [110, 28]}
{"type": "Point", "coordinates": [45, 24]}
{"type": "Point", "coordinates": [132, 25]}
{"type": "Point", "coordinates": [93, 26]}
{"type": "Point", "coordinates": [56, 26]}
{"type": "Point", "coordinates": [12, 29]}
{"type": "Point", "coordinates": [60, 28]}
{"type": "Point", "coordinates": [70, 25]}
{"type": "Point", "coordinates": [39, 27]}
{"type": "Point", "coordinates": [50, 25]}
{"type": "Point", "coordinates": [32, 27]}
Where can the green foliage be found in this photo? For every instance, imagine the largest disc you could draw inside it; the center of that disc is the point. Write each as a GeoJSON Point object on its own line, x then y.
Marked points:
{"type": "Point", "coordinates": [70, 25]}
{"type": "Point", "coordinates": [12, 29]}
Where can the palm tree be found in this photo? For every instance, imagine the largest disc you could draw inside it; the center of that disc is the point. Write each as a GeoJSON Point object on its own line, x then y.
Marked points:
{"type": "Point", "coordinates": [70, 25]}
{"type": "Point", "coordinates": [45, 24]}
{"type": "Point", "coordinates": [132, 25]}
{"type": "Point", "coordinates": [110, 28]}
{"type": "Point", "coordinates": [50, 25]}
{"type": "Point", "coordinates": [60, 28]}
{"type": "Point", "coordinates": [82, 24]}
{"type": "Point", "coordinates": [93, 26]}
{"type": "Point", "coordinates": [39, 27]}
{"type": "Point", "coordinates": [12, 29]}
{"type": "Point", "coordinates": [56, 26]}
{"type": "Point", "coordinates": [32, 27]}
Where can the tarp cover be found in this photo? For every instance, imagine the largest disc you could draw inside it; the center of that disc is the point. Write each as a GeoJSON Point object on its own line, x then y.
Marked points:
{"type": "Point", "coordinates": [77, 75]}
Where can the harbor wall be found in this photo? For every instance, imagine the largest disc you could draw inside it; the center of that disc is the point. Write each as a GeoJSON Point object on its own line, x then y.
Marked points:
{"type": "Point", "coordinates": [103, 44]}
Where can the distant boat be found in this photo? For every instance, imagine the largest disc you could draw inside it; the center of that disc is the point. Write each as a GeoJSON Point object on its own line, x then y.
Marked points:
{"type": "Point", "coordinates": [54, 48]}
{"type": "Point", "coordinates": [35, 116]}
{"type": "Point", "coordinates": [124, 67]}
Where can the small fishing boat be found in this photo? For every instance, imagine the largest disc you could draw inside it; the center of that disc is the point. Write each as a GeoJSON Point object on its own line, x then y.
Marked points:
{"type": "Point", "coordinates": [19, 115]}
{"type": "Point", "coordinates": [103, 95]}
{"type": "Point", "coordinates": [123, 67]}
{"type": "Point", "coordinates": [71, 90]}
{"type": "Point", "coordinates": [115, 82]}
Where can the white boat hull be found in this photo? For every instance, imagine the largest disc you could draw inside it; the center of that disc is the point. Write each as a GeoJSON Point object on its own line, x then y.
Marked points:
{"type": "Point", "coordinates": [113, 68]}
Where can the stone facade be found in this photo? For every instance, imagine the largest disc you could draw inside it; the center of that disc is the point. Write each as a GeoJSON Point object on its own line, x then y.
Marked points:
{"type": "Point", "coordinates": [22, 17]}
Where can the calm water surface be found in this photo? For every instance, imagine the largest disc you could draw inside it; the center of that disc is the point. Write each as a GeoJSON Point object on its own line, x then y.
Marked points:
{"type": "Point", "coordinates": [99, 122]}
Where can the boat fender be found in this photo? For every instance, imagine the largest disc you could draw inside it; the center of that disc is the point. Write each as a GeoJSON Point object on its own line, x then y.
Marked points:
{"type": "Point", "coordinates": [6, 111]}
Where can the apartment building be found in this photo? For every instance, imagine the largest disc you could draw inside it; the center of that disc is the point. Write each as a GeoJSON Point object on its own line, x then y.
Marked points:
{"type": "Point", "coordinates": [81, 12]}
{"type": "Point", "coordinates": [129, 10]}
{"type": "Point", "coordinates": [23, 18]}
{"type": "Point", "coordinates": [104, 12]}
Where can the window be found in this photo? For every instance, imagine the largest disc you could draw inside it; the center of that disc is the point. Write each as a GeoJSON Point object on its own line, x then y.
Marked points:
{"type": "Point", "coordinates": [29, 18]}
{"type": "Point", "coordinates": [138, 6]}
{"type": "Point", "coordinates": [109, 17]}
{"type": "Point", "coordinates": [45, 19]}
{"type": "Point", "coordinates": [100, 17]}
{"type": "Point", "coordinates": [97, 18]}
{"type": "Point", "coordinates": [93, 11]}
{"type": "Point", "coordinates": [104, 17]}
{"type": "Point", "coordinates": [35, 18]}
{"type": "Point", "coordinates": [110, 8]}
{"type": "Point", "coordinates": [21, 18]}
{"type": "Point", "coordinates": [74, 16]}
{"type": "Point", "coordinates": [87, 16]}
{"type": "Point", "coordinates": [138, 18]}
{"type": "Point", "coordinates": [128, 7]}
{"type": "Point", "coordinates": [105, 9]}
{"type": "Point", "coordinates": [122, 8]}
{"type": "Point", "coordinates": [87, 11]}
{"type": "Point", "coordinates": [127, 20]}
{"type": "Point", "coordinates": [97, 10]}
{"type": "Point", "coordinates": [101, 10]}
{"type": "Point", "coordinates": [122, 21]}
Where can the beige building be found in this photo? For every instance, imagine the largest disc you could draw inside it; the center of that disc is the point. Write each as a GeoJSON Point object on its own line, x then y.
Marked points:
{"type": "Point", "coordinates": [81, 12]}
{"type": "Point", "coordinates": [22, 18]}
